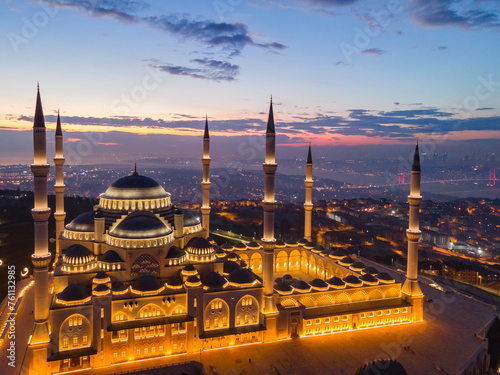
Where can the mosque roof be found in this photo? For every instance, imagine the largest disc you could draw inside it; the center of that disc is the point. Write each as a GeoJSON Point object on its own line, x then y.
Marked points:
{"type": "Point", "coordinates": [78, 255]}
{"type": "Point", "coordinates": [230, 266]}
{"type": "Point", "coordinates": [213, 280]}
{"type": "Point", "coordinates": [74, 292]}
{"type": "Point", "coordinates": [111, 256]}
{"type": "Point", "coordinates": [82, 223]}
{"type": "Point", "coordinates": [140, 225]}
{"type": "Point", "coordinates": [135, 186]}
{"type": "Point", "coordinates": [242, 276]}
{"type": "Point", "coordinates": [191, 219]}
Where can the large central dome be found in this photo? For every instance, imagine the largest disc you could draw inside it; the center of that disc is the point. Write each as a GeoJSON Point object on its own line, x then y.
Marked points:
{"type": "Point", "coordinates": [135, 187]}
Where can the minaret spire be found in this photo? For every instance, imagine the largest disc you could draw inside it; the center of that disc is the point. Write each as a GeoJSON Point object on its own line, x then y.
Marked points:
{"type": "Point", "coordinates": [135, 170]}
{"type": "Point", "coordinates": [205, 184]}
{"type": "Point", "coordinates": [59, 186]}
{"type": "Point", "coordinates": [411, 290]}
{"type": "Point", "coordinates": [41, 213]}
{"type": "Point", "coordinates": [268, 240]}
{"type": "Point", "coordinates": [308, 206]}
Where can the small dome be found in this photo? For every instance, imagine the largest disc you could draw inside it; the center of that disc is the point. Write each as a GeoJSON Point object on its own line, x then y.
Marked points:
{"type": "Point", "coordinates": [292, 243]}
{"type": "Point", "coordinates": [189, 269]}
{"type": "Point", "coordinates": [336, 282]}
{"type": "Point", "coordinates": [384, 277]}
{"type": "Point", "coordinates": [352, 280]}
{"type": "Point", "coordinates": [140, 225]}
{"type": "Point", "coordinates": [254, 245]}
{"type": "Point", "coordinates": [135, 187]}
{"type": "Point", "coordinates": [346, 261]}
{"type": "Point", "coordinates": [82, 223]}
{"type": "Point", "coordinates": [101, 277]}
{"type": "Point", "coordinates": [319, 284]}
{"type": "Point", "coordinates": [73, 293]}
{"type": "Point", "coordinates": [309, 245]}
{"type": "Point", "coordinates": [283, 288]}
{"type": "Point", "coordinates": [242, 276]}
{"type": "Point", "coordinates": [102, 288]}
{"type": "Point", "coordinates": [243, 264]}
{"type": "Point", "coordinates": [318, 249]}
{"type": "Point", "coordinates": [219, 253]}
{"type": "Point", "coordinates": [174, 283]}
{"type": "Point", "coordinates": [240, 246]}
{"type": "Point", "coordinates": [303, 241]}
{"type": "Point", "coordinates": [280, 243]}
{"type": "Point", "coordinates": [230, 266]}
{"type": "Point", "coordinates": [118, 286]}
{"type": "Point", "coordinates": [111, 256]}
{"type": "Point", "coordinates": [227, 247]}
{"type": "Point", "coordinates": [337, 254]}
{"type": "Point", "coordinates": [193, 281]}
{"type": "Point", "coordinates": [211, 240]}
{"type": "Point", "coordinates": [357, 266]}
{"type": "Point", "coordinates": [199, 246]}
{"type": "Point", "coordinates": [381, 367]}
{"type": "Point", "coordinates": [78, 255]}
{"type": "Point", "coordinates": [213, 280]}
{"type": "Point", "coordinates": [147, 284]}
{"type": "Point", "coordinates": [233, 256]}
{"type": "Point", "coordinates": [174, 252]}
{"type": "Point", "coordinates": [301, 286]}
{"type": "Point", "coordinates": [368, 279]}
{"type": "Point", "coordinates": [370, 270]}
{"type": "Point", "coordinates": [287, 279]}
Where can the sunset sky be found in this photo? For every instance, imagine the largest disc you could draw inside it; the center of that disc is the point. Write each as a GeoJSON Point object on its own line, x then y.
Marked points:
{"type": "Point", "coordinates": [141, 75]}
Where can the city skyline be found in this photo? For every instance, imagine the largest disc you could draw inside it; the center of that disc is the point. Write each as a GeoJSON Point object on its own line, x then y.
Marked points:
{"type": "Point", "coordinates": [143, 76]}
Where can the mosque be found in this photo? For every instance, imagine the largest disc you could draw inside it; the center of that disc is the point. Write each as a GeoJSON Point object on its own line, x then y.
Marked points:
{"type": "Point", "coordinates": [138, 278]}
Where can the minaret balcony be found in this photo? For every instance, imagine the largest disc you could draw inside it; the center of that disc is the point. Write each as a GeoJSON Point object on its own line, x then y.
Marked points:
{"type": "Point", "coordinates": [59, 161]}
{"type": "Point", "coordinates": [40, 170]}
{"type": "Point", "coordinates": [414, 201]}
{"type": "Point", "coordinates": [40, 261]}
{"type": "Point", "coordinates": [269, 205]}
{"type": "Point", "coordinates": [270, 168]}
{"type": "Point", "coordinates": [413, 235]}
{"type": "Point", "coordinates": [40, 215]}
{"type": "Point", "coordinates": [309, 183]}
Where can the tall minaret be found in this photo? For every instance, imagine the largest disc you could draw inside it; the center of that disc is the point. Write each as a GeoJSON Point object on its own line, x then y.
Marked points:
{"type": "Point", "coordinates": [59, 186]}
{"type": "Point", "coordinates": [308, 203]}
{"type": "Point", "coordinates": [205, 184]}
{"type": "Point", "coordinates": [41, 213]}
{"type": "Point", "coordinates": [269, 206]}
{"type": "Point", "coordinates": [411, 290]}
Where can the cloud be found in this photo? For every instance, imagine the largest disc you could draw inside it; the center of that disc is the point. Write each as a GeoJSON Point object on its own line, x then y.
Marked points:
{"type": "Point", "coordinates": [213, 70]}
{"type": "Point", "coordinates": [469, 15]}
{"type": "Point", "coordinates": [232, 37]}
{"type": "Point", "coordinates": [73, 140]}
{"type": "Point", "coordinates": [374, 51]}
{"type": "Point", "coordinates": [442, 48]}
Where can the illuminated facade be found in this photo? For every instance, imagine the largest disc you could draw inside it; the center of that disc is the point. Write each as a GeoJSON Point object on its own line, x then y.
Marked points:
{"type": "Point", "coordinates": [138, 278]}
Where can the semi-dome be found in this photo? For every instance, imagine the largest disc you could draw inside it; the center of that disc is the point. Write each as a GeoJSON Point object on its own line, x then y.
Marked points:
{"type": "Point", "coordinates": [191, 219]}
{"type": "Point", "coordinates": [82, 223]}
{"type": "Point", "coordinates": [74, 293]}
{"type": "Point", "coordinates": [140, 225]}
{"type": "Point", "coordinates": [111, 256]}
{"type": "Point", "coordinates": [135, 187]}
{"type": "Point", "coordinates": [147, 284]}
{"type": "Point", "coordinates": [78, 255]}
{"type": "Point", "coordinates": [200, 250]}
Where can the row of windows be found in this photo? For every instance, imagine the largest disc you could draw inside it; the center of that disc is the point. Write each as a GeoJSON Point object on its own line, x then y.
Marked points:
{"type": "Point", "coordinates": [75, 341]}
{"type": "Point", "coordinates": [216, 305]}
{"type": "Point", "coordinates": [75, 322]}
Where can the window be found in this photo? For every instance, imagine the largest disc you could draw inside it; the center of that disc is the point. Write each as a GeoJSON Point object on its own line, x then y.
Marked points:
{"type": "Point", "coordinates": [85, 339]}
{"type": "Point", "coordinates": [372, 315]}
{"type": "Point", "coordinates": [115, 355]}
{"type": "Point", "coordinates": [71, 322]}
{"type": "Point", "coordinates": [388, 312]}
{"type": "Point", "coordinates": [254, 318]}
{"type": "Point", "coordinates": [379, 313]}
{"type": "Point", "coordinates": [405, 310]}
{"type": "Point", "coordinates": [145, 350]}
{"type": "Point", "coordinates": [336, 319]}
{"type": "Point", "coordinates": [207, 323]}
{"type": "Point", "coordinates": [327, 320]}
{"type": "Point", "coordinates": [345, 318]}
{"type": "Point", "coordinates": [65, 342]}
{"type": "Point", "coordinates": [238, 319]}
{"type": "Point", "coordinates": [396, 311]}
{"type": "Point", "coordinates": [161, 348]}
{"type": "Point", "coordinates": [224, 321]}
{"type": "Point", "coordinates": [138, 351]}
{"type": "Point", "coordinates": [124, 354]}
{"type": "Point", "coordinates": [216, 322]}
{"type": "Point", "coordinates": [79, 321]}
{"type": "Point", "coordinates": [153, 350]}
{"type": "Point", "coordinates": [363, 315]}
{"type": "Point", "coordinates": [308, 322]}
{"type": "Point", "coordinates": [75, 341]}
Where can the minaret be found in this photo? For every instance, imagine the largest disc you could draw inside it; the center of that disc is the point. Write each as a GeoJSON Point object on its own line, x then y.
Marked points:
{"type": "Point", "coordinates": [41, 213]}
{"type": "Point", "coordinates": [411, 290]}
{"type": "Point", "coordinates": [205, 184]}
{"type": "Point", "coordinates": [59, 186]}
{"type": "Point", "coordinates": [308, 203]}
{"type": "Point", "coordinates": [269, 206]}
